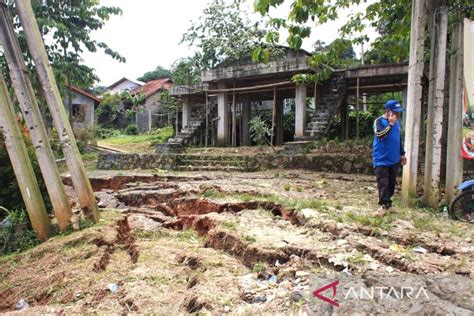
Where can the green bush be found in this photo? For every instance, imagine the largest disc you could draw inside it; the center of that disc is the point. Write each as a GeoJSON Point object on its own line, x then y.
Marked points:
{"type": "Point", "coordinates": [10, 196]}
{"type": "Point", "coordinates": [15, 232]}
{"type": "Point", "coordinates": [259, 130]}
{"type": "Point", "coordinates": [103, 133]}
{"type": "Point", "coordinates": [131, 130]}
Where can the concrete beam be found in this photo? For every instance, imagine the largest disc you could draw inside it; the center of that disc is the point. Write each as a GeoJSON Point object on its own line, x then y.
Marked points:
{"type": "Point", "coordinates": [377, 70]}
{"type": "Point", "coordinates": [280, 67]}
{"type": "Point", "coordinates": [300, 110]}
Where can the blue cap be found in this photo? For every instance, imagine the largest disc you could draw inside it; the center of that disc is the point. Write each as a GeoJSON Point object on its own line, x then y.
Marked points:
{"type": "Point", "coordinates": [394, 105]}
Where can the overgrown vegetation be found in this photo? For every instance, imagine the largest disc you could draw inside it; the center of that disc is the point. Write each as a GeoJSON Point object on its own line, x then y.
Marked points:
{"type": "Point", "coordinates": [15, 231]}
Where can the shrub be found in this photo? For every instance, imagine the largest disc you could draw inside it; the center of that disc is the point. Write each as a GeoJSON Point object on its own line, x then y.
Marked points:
{"type": "Point", "coordinates": [259, 131]}
{"type": "Point", "coordinates": [15, 232]}
{"type": "Point", "coordinates": [103, 133]}
{"type": "Point", "coordinates": [84, 138]}
{"type": "Point", "coordinates": [10, 195]}
{"type": "Point", "coordinates": [131, 130]}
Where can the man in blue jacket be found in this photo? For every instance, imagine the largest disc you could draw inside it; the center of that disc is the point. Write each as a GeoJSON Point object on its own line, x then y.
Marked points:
{"type": "Point", "coordinates": [387, 153]}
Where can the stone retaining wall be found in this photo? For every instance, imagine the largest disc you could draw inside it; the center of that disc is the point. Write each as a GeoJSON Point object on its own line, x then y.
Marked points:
{"type": "Point", "coordinates": [318, 162]}
{"type": "Point", "coordinates": [118, 161]}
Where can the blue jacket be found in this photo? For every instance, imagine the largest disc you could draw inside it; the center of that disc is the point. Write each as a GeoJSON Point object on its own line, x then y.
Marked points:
{"type": "Point", "coordinates": [387, 145]}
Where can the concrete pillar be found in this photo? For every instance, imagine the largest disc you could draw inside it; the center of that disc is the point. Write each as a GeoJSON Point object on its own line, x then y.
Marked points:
{"type": "Point", "coordinates": [279, 122]}
{"type": "Point", "coordinates": [186, 114]}
{"type": "Point", "coordinates": [300, 110]}
{"type": "Point", "coordinates": [245, 134]}
{"type": "Point", "coordinates": [404, 96]}
{"type": "Point", "coordinates": [223, 113]}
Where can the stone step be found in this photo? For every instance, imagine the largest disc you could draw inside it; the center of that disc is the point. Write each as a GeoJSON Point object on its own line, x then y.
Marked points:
{"type": "Point", "coordinates": [213, 158]}
{"type": "Point", "coordinates": [208, 163]}
{"type": "Point", "coordinates": [208, 168]}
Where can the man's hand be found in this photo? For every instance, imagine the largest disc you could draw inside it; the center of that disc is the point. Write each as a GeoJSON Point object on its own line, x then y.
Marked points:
{"type": "Point", "coordinates": [403, 160]}
{"type": "Point", "coordinates": [392, 118]}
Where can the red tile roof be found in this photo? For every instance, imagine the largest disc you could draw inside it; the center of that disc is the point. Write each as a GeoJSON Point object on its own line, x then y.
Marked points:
{"type": "Point", "coordinates": [85, 93]}
{"type": "Point", "coordinates": [153, 86]}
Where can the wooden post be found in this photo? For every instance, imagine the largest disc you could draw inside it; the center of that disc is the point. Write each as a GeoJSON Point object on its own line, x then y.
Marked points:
{"type": "Point", "coordinates": [56, 107]}
{"type": "Point", "coordinates": [207, 119]}
{"type": "Point", "coordinates": [34, 121]}
{"type": "Point", "coordinates": [434, 131]}
{"type": "Point", "coordinates": [22, 166]}
{"type": "Point", "coordinates": [234, 121]}
{"type": "Point", "coordinates": [272, 137]}
{"type": "Point", "coordinates": [414, 101]}
{"type": "Point", "coordinates": [357, 110]}
{"type": "Point", "coordinates": [454, 162]}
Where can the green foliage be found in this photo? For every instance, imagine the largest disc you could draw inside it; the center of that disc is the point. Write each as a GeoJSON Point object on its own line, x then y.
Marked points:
{"type": "Point", "coordinates": [108, 112]}
{"type": "Point", "coordinates": [84, 138]}
{"type": "Point", "coordinates": [259, 131]}
{"type": "Point", "coordinates": [103, 133]}
{"type": "Point", "coordinates": [15, 233]}
{"type": "Point", "coordinates": [158, 73]}
{"type": "Point", "coordinates": [259, 267]}
{"type": "Point", "coordinates": [135, 100]}
{"type": "Point", "coordinates": [131, 130]}
{"type": "Point", "coordinates": [186, 70]}
{"type": "Point", "coordinates": [223, 34]}
{"type": "Point", "coordinates": [10, 195]}
{"type": "Point", "coordinates": [70, 24]}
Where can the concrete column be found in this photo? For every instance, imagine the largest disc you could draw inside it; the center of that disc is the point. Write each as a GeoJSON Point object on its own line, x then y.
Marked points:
{"type": "Point", "coordinates": [405, 98]}
{"type": "Point", "coordinates": [223, 113]}
{"type": "Point", "coordinates": [279, 122]}
{"type": "Point", "coordinates": [186, 114]}
{"type": "Point", "coordinates": [300, 110]}
{"type": "Point", "coordinates": [245, 134]}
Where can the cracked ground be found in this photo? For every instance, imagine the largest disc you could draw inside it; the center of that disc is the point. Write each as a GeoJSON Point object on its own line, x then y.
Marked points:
{"type": "Point", "coordinates": [244, 243]}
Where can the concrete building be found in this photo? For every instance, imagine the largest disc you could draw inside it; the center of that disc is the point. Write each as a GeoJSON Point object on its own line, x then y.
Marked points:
{"type": "Point", "coordinates": [83, 105]}
{"type": "Point", "coordinates": [124, 84]}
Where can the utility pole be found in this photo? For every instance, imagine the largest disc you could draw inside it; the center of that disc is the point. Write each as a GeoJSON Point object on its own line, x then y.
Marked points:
{"type": "Point", "coordinates": [22, 166]}
{"type": "Point", "coordinates": [454, 162]}
{"type": "Point", "coordinates": [34, 121]}
{"type": "Point", "coordinates": [414, 101]}
{"type": "Point", "coordinates": [74, 162]}
{"type": "Point", "coordinates": [364, 95]}
{"type": "Point", "coordinates": [434, 131]}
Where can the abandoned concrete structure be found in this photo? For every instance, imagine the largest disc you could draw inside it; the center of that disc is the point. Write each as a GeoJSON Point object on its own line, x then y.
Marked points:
{"type": "Point", "coordinates": [217, 112]}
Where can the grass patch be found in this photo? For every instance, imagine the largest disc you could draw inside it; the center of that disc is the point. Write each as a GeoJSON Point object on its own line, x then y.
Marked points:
{"type": "Point", "coordinates": [137, 143]}
{"type": "Point", "coordinates": [286, 187]}
{"type": "Point", "coordinates": [229, 225]}
{"type": "Point", "coordinates": [383, 222]}
{"type": "Point", "coordinates": [250, 239]}
{"type": "Point", "coordinates": [259, 267]}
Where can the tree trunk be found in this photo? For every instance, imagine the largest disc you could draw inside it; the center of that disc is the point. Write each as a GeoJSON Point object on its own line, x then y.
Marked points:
{"type": "Point", "coordinates": [434, 131]}
{"type": "Point", "coordinates": [22, 166]}
{"type": "Point", "coordinates": [32, 114]}
{"type": "Point", "coordinates": [53, 98]}
{"type": "Point", "coordinates": [414, 101]}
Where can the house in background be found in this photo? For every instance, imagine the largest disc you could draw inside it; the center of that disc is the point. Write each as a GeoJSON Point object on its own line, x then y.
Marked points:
{"type": "Point", "coordinates": [83, 105]}
{"type": "Point", "coordinates": [124, 84]}
{"type": "Point", "coordinates": [153, 113]}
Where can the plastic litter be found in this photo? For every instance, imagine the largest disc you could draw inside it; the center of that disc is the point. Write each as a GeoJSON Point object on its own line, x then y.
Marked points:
{"type": "Point", "coordinates": [273, 279]}
{"type": "Point", "coordinates": [420, 249]}
{"type": "Point", "coordinates": [21, 305]}
{"type": "Point", "coordinates": [112, 287]}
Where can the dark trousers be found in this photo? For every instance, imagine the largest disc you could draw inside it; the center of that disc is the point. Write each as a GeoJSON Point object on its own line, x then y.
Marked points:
{"type": "Point", "coordinates": [386, 180]}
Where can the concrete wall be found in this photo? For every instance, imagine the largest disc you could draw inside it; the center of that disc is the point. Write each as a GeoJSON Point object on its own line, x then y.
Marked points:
{"type": "Point", "coordinates": [86, 105]}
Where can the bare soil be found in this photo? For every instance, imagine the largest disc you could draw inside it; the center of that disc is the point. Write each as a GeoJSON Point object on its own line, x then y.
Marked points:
{"type": "Point", "coordinates": [242, 243]}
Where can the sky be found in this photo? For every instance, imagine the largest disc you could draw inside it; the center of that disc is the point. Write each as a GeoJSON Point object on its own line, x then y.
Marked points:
{"type": "Point", "coordinates": [148, 33]}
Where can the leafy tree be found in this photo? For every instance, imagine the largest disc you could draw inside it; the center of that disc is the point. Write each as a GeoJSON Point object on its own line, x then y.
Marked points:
{"type": "Point", "coordinates": [186, 70]}
{"type": "Point", "coordinates": [158, 73]}
{"type": "Point", "coordinates": [108, 112]}
{"type": "Point", "coordinates": [69, 25]}
{"type": "Point", "coordinates": [223, 34]}
{"type": "Point", "coordinates": [391, 18]}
